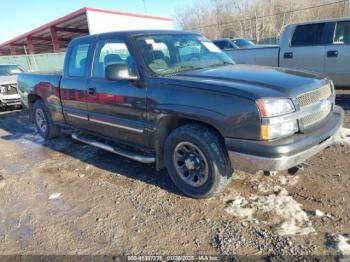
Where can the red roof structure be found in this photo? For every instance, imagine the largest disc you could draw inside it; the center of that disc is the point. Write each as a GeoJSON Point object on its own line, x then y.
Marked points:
{"type": "Point", "coordinates": [54, 37]}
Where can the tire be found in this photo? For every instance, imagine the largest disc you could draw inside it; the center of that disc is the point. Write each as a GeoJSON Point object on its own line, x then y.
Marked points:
{"type": "Point", "coordinates": [43, 121]}
{"type": "Point", "coordinates": [197, 161]}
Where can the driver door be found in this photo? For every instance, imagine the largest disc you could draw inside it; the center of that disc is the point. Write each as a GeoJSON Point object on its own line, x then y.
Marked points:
{"type": "Point", "coordinates": [117, 109]}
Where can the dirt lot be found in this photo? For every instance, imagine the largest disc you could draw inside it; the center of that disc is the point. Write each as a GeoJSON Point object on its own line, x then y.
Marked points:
{"type": "Point", "coordinates": [63, 197]}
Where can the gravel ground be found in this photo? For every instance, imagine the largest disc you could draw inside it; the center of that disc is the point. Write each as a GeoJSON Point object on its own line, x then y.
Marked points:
{"type": "Point", "coordinates": [63, 197]}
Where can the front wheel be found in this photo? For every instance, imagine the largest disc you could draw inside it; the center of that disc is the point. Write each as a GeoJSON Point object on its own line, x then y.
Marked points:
{"type": "Point", "coordinates": [197, 161]}
{"type": "Point", "coordinates": [43, 121]}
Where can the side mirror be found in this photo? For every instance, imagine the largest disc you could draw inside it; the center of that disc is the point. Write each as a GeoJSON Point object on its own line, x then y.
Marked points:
{"type": "Point", "coordinates": [117, 72]}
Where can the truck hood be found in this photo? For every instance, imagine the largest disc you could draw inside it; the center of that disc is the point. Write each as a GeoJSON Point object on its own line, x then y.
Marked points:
{"type": "Point", "coordinates": [5, 80]}
{"type": "Point", "coordinates": [252, 81]}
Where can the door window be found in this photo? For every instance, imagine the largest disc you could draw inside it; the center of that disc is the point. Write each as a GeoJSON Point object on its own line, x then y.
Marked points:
{"type": "Point", "coordinates": [342, 33]}
{"type": "Point", "coordinates": [110, 52]}
{"type": "Point", "coordinates": [78, 59]}
{"type": "Point", "coordinates": [308, 35]}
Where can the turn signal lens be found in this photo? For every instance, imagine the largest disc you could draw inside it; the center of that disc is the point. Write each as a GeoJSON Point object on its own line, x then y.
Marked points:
{"type": "Point", "coordinates": [269, 132]}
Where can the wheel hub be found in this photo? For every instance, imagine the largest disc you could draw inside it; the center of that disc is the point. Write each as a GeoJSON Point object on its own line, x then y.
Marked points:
{"type": "Point", "coordinates": [191, 164]}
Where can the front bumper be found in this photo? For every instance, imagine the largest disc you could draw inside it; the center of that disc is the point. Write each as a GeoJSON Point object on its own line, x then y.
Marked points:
{"type": "Point", "coordinates": [252, 156]}
{"type": "Point", "coordinates": [10, 102]}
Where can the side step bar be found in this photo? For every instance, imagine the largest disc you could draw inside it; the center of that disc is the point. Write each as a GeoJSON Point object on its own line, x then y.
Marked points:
{"type": "Point", "coordinates": [115, 150]}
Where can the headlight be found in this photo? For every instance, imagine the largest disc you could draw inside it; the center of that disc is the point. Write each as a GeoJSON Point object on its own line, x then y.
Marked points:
{"type": "Point", "coordinates": [274, 106]}
{"type": "Point", "coordinates": [274, 124]}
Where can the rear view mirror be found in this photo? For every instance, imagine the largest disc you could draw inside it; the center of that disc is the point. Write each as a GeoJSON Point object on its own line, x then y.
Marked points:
{"type": "Point", "coordinates": [120, 72]}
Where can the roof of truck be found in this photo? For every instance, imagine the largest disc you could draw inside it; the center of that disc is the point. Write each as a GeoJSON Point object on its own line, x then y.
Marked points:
{"type": "Point", "coordinates": [137, 33]}
{"type": "Point", "coordinates": [323, 21]}
{"type": "Point", "coordinates": [149, 32]}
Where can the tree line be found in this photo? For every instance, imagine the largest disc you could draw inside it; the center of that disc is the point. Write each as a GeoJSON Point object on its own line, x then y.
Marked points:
{"type": "Point", "coordinates": [258, 20]}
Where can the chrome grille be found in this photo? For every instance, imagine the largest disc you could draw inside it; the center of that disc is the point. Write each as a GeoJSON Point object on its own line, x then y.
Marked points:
{"type": "Point", "coordinates": [315, 117]}
{"type": "Point", "coordinates": [10, 89]}
{"type": "Point", "coordinates": [315, 96]}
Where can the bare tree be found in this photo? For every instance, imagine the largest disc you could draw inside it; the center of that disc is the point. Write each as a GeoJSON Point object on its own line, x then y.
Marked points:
{"type": "Point", "coordinates": [260, 20]}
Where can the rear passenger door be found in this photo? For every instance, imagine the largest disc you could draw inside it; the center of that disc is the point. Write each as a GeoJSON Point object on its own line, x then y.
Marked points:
{"type": "Point", "coordinates": [74, 82]}
{"type": "Point", "coordinates": [338, 55]}
{"type": "Point", "coordinates": [117, 109]}
{"type": "Point", "coordinates": [307, 48]}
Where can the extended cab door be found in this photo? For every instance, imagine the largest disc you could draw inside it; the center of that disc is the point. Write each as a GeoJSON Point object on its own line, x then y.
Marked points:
{"type": "Point", "coordinates": [117, 109]}
{"type": "Point", "coordinates": [307, 48]}
{"type": "Point", "coordinates": [338, 55]}
{"type": "Point", "coordinates": [73, 84]}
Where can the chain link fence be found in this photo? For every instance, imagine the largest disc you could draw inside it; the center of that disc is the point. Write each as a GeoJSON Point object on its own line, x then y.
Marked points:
{"type": "Point", "coordinates": [36, 62]}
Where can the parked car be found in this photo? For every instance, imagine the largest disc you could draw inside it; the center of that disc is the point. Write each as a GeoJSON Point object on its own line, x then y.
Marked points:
{"type": "Point", "coordinates": [233, 43]}
{"type": "Point", "coordinates": [9, 95]}
{"type": "Point", "coordinates": [174, 98]}
{"type": "Point", "coordinates": [322, 46]}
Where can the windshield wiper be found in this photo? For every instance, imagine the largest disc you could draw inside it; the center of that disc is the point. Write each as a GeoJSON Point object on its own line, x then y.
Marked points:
{"type": "Point", "coordinates": [181, 69]}
{"type": "Point", "coordinates": [220, 64]}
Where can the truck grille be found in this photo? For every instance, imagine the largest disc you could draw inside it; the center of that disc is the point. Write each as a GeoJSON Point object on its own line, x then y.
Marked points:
{"type": "Point", "coordinates": [314, 97]}
{"type": "Point", "coordinates": [315, 117]}
{"type": "Point", "coordinates": [10, 89]}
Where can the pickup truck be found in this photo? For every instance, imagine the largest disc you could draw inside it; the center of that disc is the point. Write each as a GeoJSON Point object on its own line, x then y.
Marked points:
{"type": "Point", "coordinates": [175, 99]}
{"type": "Point", "coordinates": [322, 46]}
{"type": "Point", "coordinates": [9, 95]}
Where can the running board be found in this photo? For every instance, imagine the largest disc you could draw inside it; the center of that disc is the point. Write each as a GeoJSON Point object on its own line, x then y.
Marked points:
{"type": "Point", "coordinates": [115, 150]}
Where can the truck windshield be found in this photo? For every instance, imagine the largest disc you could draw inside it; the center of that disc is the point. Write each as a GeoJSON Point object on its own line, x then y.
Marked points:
{"type": "Point", "coordinates": [170, 54]}
{"type": "Point", "coordinates": [9, 70]}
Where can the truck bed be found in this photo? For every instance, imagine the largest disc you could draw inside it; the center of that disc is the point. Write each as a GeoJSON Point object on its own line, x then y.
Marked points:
{"type": "Point", "coordinates": [267, 55]}
{"type": "Point", "coordinates": [38, 83]}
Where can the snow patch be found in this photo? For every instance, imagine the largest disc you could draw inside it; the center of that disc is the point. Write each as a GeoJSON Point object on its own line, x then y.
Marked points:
{"type": "Point", "coordinates": [342, 136]}
{"type": "Point", "coordinates": [279, 210]}
{"type": "Point", "coordinates": [55, 196]}
{"type": "Point", "coordinates": [341, 243]}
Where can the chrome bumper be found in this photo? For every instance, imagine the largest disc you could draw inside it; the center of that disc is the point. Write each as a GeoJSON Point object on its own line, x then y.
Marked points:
{"type": "Point", "coordinates": [253, 156]}
{"type": "Point", "coordinates": [252, 164]}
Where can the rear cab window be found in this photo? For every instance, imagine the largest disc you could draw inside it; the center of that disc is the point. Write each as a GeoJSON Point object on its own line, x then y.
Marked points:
{"type": "Point", "coordinates": [78, 60]}
{"type": "Point", "coordinates": [308, 35]}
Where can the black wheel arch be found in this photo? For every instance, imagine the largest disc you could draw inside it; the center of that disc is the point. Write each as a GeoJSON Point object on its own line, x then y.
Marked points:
{"type": "Point", "coordinates": [169, 123]}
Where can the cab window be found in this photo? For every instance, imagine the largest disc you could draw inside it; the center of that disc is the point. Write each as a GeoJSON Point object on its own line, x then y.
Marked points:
{"type": "Point", "coordinates": [78, 59]}
{"type": "Point", "coordinates": [110, 52]}
{"type": "Point", "coordinates": [342, 33]}
{"type": "Point", "coordinates": [308, 35]}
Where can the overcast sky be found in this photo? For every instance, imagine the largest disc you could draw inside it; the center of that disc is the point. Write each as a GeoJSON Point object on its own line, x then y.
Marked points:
{"type": "Point", "coordinates": [20, 16]}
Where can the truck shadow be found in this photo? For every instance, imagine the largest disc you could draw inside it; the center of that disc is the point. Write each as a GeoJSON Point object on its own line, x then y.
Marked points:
{"type": "Point", "coordinates": [17, 126]}
{"type": "Point", "coordinates": [343, 100]}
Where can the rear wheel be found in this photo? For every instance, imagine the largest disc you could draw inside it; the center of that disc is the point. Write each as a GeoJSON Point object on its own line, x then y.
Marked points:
{"type": "Point", "coordinates": [43, 121]}
{"type": "Point", "coordinates": [197, 161]}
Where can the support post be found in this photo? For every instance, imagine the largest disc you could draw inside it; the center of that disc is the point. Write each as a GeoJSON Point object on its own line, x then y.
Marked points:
{"type": "Point", "coordinates": [54, 39]}
{"type": "Point", "coordinates": [13, 50]}
{"type": "Point", "coordinates": [30, 45]}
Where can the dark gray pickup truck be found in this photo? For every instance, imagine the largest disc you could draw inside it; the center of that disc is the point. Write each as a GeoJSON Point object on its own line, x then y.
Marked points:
{"type": "Point", "coordinates": [174, 99]}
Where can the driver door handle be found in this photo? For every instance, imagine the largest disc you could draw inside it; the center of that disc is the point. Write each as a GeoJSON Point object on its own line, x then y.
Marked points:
{"type": "Point", "coordinates": [288, 55]}
{"type": "Point", "coordinates": [91, 91]}
{"type": "Point", "coordinates": [332, 53]}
